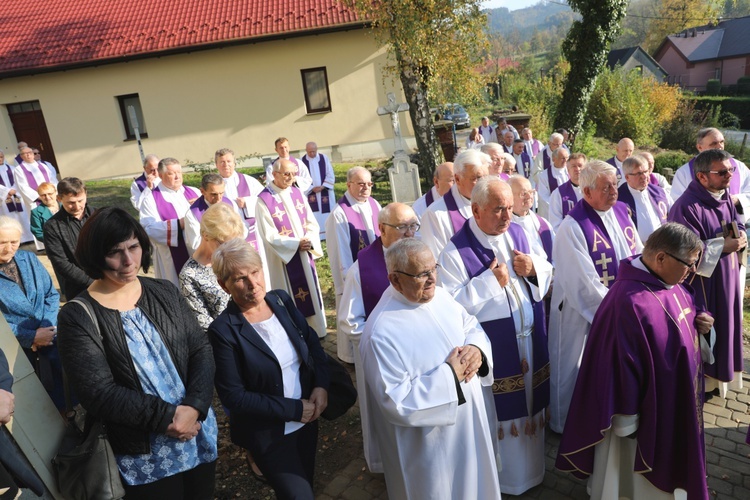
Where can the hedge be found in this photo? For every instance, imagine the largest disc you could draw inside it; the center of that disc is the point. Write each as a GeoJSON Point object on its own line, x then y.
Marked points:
{"type": "Point", "coordinates": [739, 106]}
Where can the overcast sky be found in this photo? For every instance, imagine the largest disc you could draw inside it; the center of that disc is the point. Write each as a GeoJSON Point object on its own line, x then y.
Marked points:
{"type": "Point", "coordinates": [510, 4]}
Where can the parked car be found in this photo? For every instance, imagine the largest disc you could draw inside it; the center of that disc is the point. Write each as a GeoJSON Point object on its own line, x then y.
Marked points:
{"type": "Point", "coordinates": [457, 114]}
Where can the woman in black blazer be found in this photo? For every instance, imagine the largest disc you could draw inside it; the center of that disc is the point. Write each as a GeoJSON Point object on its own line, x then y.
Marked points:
{"type": "Point", "coordinates": [271, 372]}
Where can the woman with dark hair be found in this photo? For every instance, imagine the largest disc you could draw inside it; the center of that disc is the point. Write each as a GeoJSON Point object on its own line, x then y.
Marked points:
{"type": "Point", "coordinates": [146, 368]}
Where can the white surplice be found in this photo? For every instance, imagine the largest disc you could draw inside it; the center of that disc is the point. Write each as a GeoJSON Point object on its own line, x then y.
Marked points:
{"type": "Point", "coordinates": [431, 446]}
{"type": "Point", "coordinates": [576, 296]}
{"type": "Point", "coordinates": [304, 181]}
{"type": "Point", "coordinates": [648, 219]}
{"type": "Point", "coordinates": [531, 224]}
{"type": "Point", "coordinates": [327, 182]}
{"type": "Point", "coordinates": [281, 249]}
{"type": "Point", "coordinates": [543, 188]}
{"type": "Point", "coordinates": [522, 456]}
{"type": "Point", "coordinates": [555, 214]}
{"type": "Point", "coordinates": [682, 178]}
{"type": "Point", "coordinates": [420, 206]}
{"type": "Point", "coordinates": [27, 191]}
{"type": "Point", "coordinates": [437, 228]}
{"type": "Point", "coordinates": [231, 192]}
{"type": "Point", "coordinates": [136, 195]}
{"type": "Point", "coordinates": [165, 233]}
{"type": "Point", "coordinates": [22, 217]}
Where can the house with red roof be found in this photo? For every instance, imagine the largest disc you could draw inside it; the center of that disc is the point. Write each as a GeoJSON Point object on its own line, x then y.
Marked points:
{"type": "Point", "coordinates": [76, 78]}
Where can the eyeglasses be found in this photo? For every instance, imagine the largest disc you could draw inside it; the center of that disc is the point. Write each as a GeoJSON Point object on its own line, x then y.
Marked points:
{"type": "Point", "coordinates": [287, 174]}
{"type": "Point", "coordinates": [689, 266]}
{"type": "Point", "coordinates": [524, 194]}
{"type": "Point", "coordinates": [364, 184]}
{"type": "Point", "coordinates": [642, 173]}
{"type": "Point", "coordinates": [403, 228]}
{"type": "Point", "coordinates": [422, 276]}
{"type": "Point", "coordinates": [724, 172]}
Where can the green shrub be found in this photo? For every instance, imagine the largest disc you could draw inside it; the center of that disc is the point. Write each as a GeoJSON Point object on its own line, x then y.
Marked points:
{"type": "Point", "coordinates": [671, 159]}
{"type": "Point", "coordinates": [743, 85]}
{"type": "Point", "coordinates": [738, 106]}
{"type": "Point", "coordinates": [713, 87]}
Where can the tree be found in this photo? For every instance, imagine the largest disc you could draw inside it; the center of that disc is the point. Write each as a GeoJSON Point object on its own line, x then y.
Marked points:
{"type": "Point", "coordinates": [677, 15]}
{"type": "Point", "coordinates": [586, 48]}
{"type": "Point", "coordinates": [434, 43]}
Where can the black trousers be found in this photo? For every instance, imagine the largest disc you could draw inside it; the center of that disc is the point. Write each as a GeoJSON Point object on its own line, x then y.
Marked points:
{"type": "Point", "coordinates": [193, 484]}
{"type": "Point", "coordinates": [6, 481]}
{"type": "Point", "coordinates": [289, 463]}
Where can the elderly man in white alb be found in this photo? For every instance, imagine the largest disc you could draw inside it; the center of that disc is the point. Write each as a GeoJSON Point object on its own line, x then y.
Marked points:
{"type": "Point", "coordinates": [365, 283]}
{"type": "Point", "coordinates": [487, 131]}
{"type": "Point", "coordinates": [623, 151]}
{"type": "Point", "coordinates": [544, 158]}
{"type": "Point", "coordinates": [532, 146]}
{"type": "Point", "coordinates": [352, 226]}
{"type": "Point", "coordinates": [425, 362]}
{"type": "Point", "coordinates": [163, 217]}
{"type": "Point", "coordinates": [149, 179]}
{"type": "Point", "coordinates": [551, 178]}
{"type": "Point", "coordinates": [500, 276]}
{"type": "Point", "coordinates": [304, 180]}
{"type": "Point", "coordinates": [648, 203]}
{"type": "Point", "coordinates": [11, 203]}
{"type": "Point", "coordinates": [594, 237]}
{"type": "Point", "coordinates": [537, 227]}
{"type": "Point", "coordinates": [29, 173]}
{"type": "Point", "coordinates": [290, 233]}
{"type": "Point", "coordinates": [447, 215]}
{"type": "Point", "coordinates": [320, 196]}
{"type": "Point", "coordinates": [442, 179]}
{"type": "Point", "coordinates": [656, 177]}
{"type": "Point", "coordinates": [564, 198]}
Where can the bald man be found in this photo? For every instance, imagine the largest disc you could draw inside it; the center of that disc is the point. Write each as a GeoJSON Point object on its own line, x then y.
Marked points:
{"type": "Point", "coordinates": [623, 151]}
{"type": "Point", "coordinates": [442, 179]}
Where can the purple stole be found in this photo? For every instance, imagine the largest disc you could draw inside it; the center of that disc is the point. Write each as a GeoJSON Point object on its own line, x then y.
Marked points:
{"type": "Point", "coordinates": [546, 160]}
{"type": "Point", "coordinates": [429, 198]}
{"type": "Point", "coordinates": [653, 180]}
{"type": "Point", "coordinates": [312, 198]}
{"type": "Point", "coordinates": [12, 206]}
{"type": "Point", "coordinates": [507, 149]}
{"type": "Point", "coordinates": [546, 236]}
{"type": "Point", "coordinates": [611, 161]}
{"type": "Point", "coordinates": [457, 220]}
{"type": "Point", "coordinates": [509, 388]}
{"type": "Point", "coordinates": [296, 272]}
{"type": "Point", "coordinates": [243, 191]}
{"type": "Point", "coordinates": [552, 180]}
{"type": "Point", "coordinates": [657, 196]}
{"type": "Point", "coordinates": [141, 182]}
{"type": "Point", "coordinates": [30, 177]}
{"type": "Point", "coordinates": [567, 197]}
{"type": "Point", "coordinates": [373, 275]}
{"type": "Point", "coordinates": [526, 162]}
{"type": "Point", "coordinates": [734, 182]}
{"type": "Point", "coordinates": [535, 147]}
{"type": "Point", "coordinates": [598, 241]}
{"type": "Point", "coordinates": [358, 239]}
{"type": "Point", "coordinates": [482, 128]}
{"type": "Point", "coordinates": [167, 212]}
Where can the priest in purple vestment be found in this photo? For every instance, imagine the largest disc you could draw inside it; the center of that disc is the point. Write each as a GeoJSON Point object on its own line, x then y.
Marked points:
{"type": "Point", "coordinates": [707, 208]}
{"type": "Point", "coordinates": [636, 417]}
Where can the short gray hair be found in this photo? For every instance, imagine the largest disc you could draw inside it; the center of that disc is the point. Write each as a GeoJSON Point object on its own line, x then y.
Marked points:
{"type": "Point", "coordinates": [592, 171]}
{"type": "Point", "coordinates": [232, 256]}
{"type": "Point", "coordinates": [470, 157]}
{"type": "Point", "coordinates": [10, 223]}
{"type": "Point", "coordinates": [555, 135]}
{"type": "Point", "coordinates": [211, 179]}
{"type": "Point", "coordinates": [702, 133]}
{"type": "Point", "coordinates": [480, 195]}
{"type": "Point", "coordinates": [673, 238]}
{"type": "Point", "coordinates": [705, 158]}
{"type": "Point", "coordinates": [397, 255]}
{"type": "Point", "coordinates": [148, 158]}
{"type": "Point", "coordinates": [165, 162]}
{"type": "Point", "coordinates": [633, 161]}
{"type": "Point", "coordinates": [354, 171]}
{"type": "Point", "coordinates": [491, 146]}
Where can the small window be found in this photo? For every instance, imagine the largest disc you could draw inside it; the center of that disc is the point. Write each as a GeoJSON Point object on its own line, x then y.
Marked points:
{"type": "Point", "coordinates": [717, 73]}
{"type": "Point", "coordinates": [315, 86]}
{"type": "Point", "coordinates": [638, 69]}
{"type": "Point", "coordinates": [126, 103]}
{"type": "Point", "coordinates": [23, 107]}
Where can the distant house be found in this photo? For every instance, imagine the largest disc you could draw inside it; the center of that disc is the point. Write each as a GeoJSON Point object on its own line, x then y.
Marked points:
{"type": "Point", "coordinates": [636, 59]}
{"type": "Point", "coordinates": [199, 75]}
{"type": "Point", "coordinates": [699, 54]}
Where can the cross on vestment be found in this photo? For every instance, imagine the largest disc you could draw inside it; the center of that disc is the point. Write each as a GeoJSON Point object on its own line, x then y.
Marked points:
{"type": "Point", "coordinates": [394, 109]}
{"type": "Point", "coordinates": [683, 312]}
{"type": "Point", "coordinates": [606, 278]}
{"type": "Point", "coordinates": [278, 213]}
{"type": "Point", "coordinates": [302, 295]}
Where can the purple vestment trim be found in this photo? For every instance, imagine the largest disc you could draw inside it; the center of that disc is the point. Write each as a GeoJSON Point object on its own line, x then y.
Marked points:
{"type": "Point", "coordinates": [552, 180]}
{"type": "Point", "coordinates": [429, 198]}
{"type": "Point", "coordinates": [658, 200]}
{"type": "Point", "coordinates": [373, 275]}
{"type": "Point", "coordinates": [546, 159]}
{"type": "Point", "coordinates": [141, 182]}
{"type": "Point", "coordinates": [167, 212]}
{"type": "Point", "coordinates": [30, 177]}
{"type": "Point", "coordinates": [611, 161]}
{"type": "Point", "coordinates": [312, 198]}
{"type": "Point", "coordinates": [546, 235]}
{"type": "Point", "coordinates": [457, 219]}
{"type": "Point", "coordinates": [358, 238]}
{"type": "Point", "coordinates": [12, 206]}
{"type": "Point", "coordinates": [734, 182]}
{"type": "Point", "coordinates": [653, 180]}
{"type": "Point", "coordinates": [526, 163]}
{"type": "Point", "coordinates": [567, 197]}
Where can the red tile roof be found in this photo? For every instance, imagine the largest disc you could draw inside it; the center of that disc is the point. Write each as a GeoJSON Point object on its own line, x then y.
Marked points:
{"type": "Point", "coordinates": [48, 35]}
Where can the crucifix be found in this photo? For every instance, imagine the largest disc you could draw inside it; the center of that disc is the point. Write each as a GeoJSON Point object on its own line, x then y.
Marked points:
{"type": "Point", "coordinates": [394, 109]}
{"type": "Point", "coordinates": [606, 278]}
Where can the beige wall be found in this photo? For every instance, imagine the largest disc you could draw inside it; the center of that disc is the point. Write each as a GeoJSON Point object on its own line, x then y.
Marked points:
{"type": "Point", "coordinates": [239, 97]}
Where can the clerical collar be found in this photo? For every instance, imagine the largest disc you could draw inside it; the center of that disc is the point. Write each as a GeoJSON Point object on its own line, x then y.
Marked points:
{"type": "Point", "coordinates": [639, 264]}
{"type": "Point", "coordinates": [573, 184]}
{"type": "Point", "coordinates": [717, 195]}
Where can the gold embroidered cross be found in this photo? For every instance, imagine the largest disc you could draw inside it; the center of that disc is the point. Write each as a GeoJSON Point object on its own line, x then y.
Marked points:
{"type": "Point", "coordinates": [683, 312]}
{"type": "Point", "coordinates": [302, 295]}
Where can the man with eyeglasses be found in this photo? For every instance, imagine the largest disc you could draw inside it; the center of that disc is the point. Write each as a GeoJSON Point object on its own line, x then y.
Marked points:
{"type": "Point", "coordinates": [290, 234]}
{"type": "Point", "coordinates": [589, 245]}
{"type": "Point", "coordinates": [443, 180]}
{"type": "Point", "coordinates": [352, 226]}
{"type": "Point", "coordinates": [648, 203]}
{"type": "Point", "coordinates": [29, 174]}
{"type": "Point", "coordinates": [447, 215]}
{"type": "Point", "coordinates": [635, 424]}
{"type": "Point", "coordinates": [551, 178]}
{"type": "Point", "coordinates": [623, 151]}
{"type": "Point", "coordinates": [365, 282]}
{"type": "Point", "coordinates": [706, 207]}
{"type": "Point", "coordinates": [739, 187]}
{"type": "Point", "coordinates": [303, 179]}
{"type": "Point", "coordinates": [564, 198]}
{"type": "Point", "coordinates": [426, 362]}
{"type": "Point", "coordinates": [500, 276]}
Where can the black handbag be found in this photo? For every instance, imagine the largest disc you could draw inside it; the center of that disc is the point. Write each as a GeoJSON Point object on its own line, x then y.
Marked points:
{"type": "Point", "coordinates": [85, 464]}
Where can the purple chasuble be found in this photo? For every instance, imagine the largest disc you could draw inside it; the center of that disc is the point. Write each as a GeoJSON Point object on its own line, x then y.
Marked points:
{"type": "Point", "coordinates": [357, 231]}
{"type": "Point", "coordinates": [720, 293]}
{"type": "Point", "coordinates": [525, 169]}
{"type": "Point", "coordinates": [141, 182]}
{"type": "Point", "coordinates": [30, 177]}
{"type": "Point", "coordinates": [658, 200]}
{"type": "Point", "coordinates": [611, 161]}
{"type": "Point", "coordinates": [457, 219]}
{"type": "Point", "coordinates": [13, 206]}
{"type": "Point", "coordinates": [429, 198]}
{"type": "Point", "coordinates": [734, 182]}
{"type": "Point", "coordinates": [373, 275]}
{"type": "Point", "coordinates": [598, 240]}
{"type": "Point", "coordinates": [312, 198]}
{"type": "Point", "coordinates": [508, 387]}
{"type": "Point", "coordinates": [167, 212]}
{"type": "Point", "coordinates": [642, 357]}
{"type": "Point", "coordinates": [303, 296]}
{"type": "Point", "coordinates": [552, 180]}
{"type": "Point", "coordinates": [568, 197]}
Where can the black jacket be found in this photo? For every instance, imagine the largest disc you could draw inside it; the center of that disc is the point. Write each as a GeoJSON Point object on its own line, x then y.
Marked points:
{"type": "Point", "coordinates": [60, 239]}
{"type": "Point", "coordinates": [248, 375]}
{"type": "Point", "coordinates": [102, 374]}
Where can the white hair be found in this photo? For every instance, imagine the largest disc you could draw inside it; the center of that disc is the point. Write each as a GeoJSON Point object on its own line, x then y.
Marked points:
{"type": "Point", "coordinates": [480, 195]}
{"type": "Point", "coordinates": [509, 159]}
{"type": "Point", "coordinates": [397, 255]}
{"type": "Point", "coordinates": [592, 171]}
{"type": "Point", "coordinates": [354, 171]}
{"type": "Point", "coordinates": [470, 157]}
{"type": "Point", "coordinates": [10, 223]}
{"type": "Point", "coordinates": [555, 135]}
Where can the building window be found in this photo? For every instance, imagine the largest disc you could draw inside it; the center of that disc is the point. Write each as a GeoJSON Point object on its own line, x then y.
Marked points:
{"type": "Point", "coordinates": [315, 87]}
{"type": "Point", "coordinates": [717, 73]}
{"type": "Point", "coordinates": [23, 107]}
{"type": "Point", "coordinates": [126, 103]}
{"type": "Point", "coordinates": [638, 69]}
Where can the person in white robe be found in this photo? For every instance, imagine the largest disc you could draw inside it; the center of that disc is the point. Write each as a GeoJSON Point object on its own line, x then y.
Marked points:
{"type": "Point", "coordinates": [11, 203]}
{"type": "Point", "coordinates": [444, 217]}
{"type": "Point", "coordinates": [537, 227]}
{"type": "Point", "coordinates": [582, 282]}
{"type": "Point", "coordinates": [649, 204]}
{"type": "Point", "coordinates": [291, 250]}
{"type": "Point", "coordinates": [149, 179]}
{"type": "Point", "coordinates": [355, 214]}
{"type": "Point", "coordinates": [396, 221]}
{"type": "Point", "coordinates": [532, 146]}
{"type": "Point", "coordinates": [487, 131]}
{"type": "Point", "coordinates": [425, 361]}
{"type": "Point", "coordinates": [564, 198]}
{"type": "Point", "coordinates": [321, 196]}
{"type": "Point", "coordinates": [504, 287]}
{"type": "Point", "coordinates": [304, 180]}
{"type": "Point", "coordinates": [551, 178]}
{"type": "Point", "coordinates": [623, 151]}
{"type": "Point", "coordinates": [544, 158]}
{"type": "Point", "coordinates": [29, 174]}
{"type": "Point", "coordinates": [442, 180]}
{"type": "Point", "coordinates": [163, 217]}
